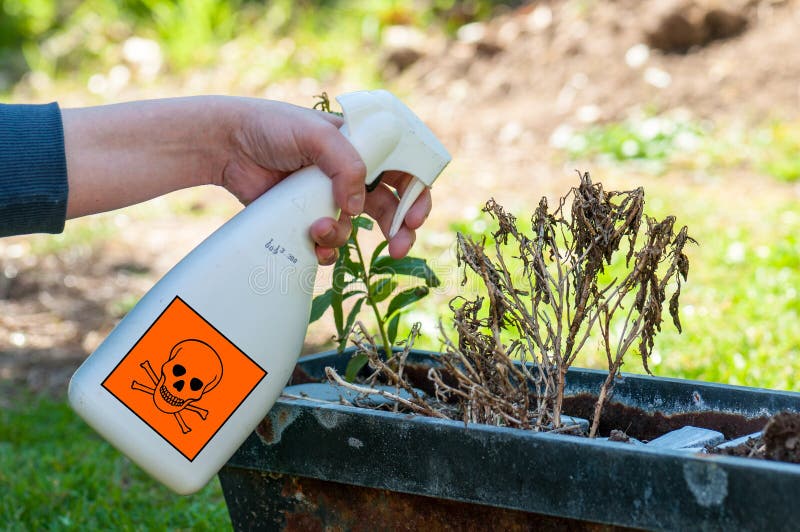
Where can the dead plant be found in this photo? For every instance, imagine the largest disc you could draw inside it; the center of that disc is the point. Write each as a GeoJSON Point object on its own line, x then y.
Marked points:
{"type": "Point", "coordinates": [388, 370]}
{"type": "Point", "coordinates": [544, 295]}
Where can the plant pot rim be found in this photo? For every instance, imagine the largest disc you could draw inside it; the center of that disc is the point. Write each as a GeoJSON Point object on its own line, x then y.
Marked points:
{"type": "Point", "coordinates": [553, 474]}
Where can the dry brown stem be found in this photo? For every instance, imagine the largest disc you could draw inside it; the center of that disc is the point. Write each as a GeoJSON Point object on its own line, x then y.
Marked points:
{"type": "Point", "coordinates": [544, 295]}
{"type": "Point", "coordinates": [543, 315]}
{"type": "Point", "coordinates": [390, 371]}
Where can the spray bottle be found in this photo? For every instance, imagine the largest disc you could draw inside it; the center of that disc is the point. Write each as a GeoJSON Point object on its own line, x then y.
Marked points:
{"type": "Point", "coordinates": [187, 375]}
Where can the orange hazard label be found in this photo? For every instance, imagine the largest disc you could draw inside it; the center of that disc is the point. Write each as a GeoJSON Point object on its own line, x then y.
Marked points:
{"type": "Point", "coordinates": [184, 378]}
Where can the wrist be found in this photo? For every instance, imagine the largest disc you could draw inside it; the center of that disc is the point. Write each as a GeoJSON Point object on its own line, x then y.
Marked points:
{"type": "Point", "coordinates": [212, 123]}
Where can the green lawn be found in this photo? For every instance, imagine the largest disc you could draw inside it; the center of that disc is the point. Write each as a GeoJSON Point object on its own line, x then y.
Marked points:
{"type": "Point", "coordinates": [57, 474]}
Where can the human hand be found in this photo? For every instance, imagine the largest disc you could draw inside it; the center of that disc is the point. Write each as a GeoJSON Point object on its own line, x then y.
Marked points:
{"type": "Point", "coordinates": [270, 140]}
{"type": "Point", "coordinates": [246, 145]}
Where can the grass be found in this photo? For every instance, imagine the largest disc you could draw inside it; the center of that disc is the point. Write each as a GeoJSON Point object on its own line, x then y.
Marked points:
{"type": "Point", "coordinates": [81, 234]}
{"type": "Point", "coordinates": [651, 141]}
{"type": "Point", "coordinates": [57, 474]}
{"type": "Point", "coordinates": [106, 45]}
{"type": "Point", "coordinates": [657, 143]}
{"type": "Point", "coordinates": [740, 307]}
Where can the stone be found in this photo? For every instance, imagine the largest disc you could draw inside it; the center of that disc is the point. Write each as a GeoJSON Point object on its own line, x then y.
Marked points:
{"type": "Point", "coordinates": [572, 420]}
{"type": "Point", "coordinates": [333, 393]}
{"type": "Point", "coordinates": [692, 439]}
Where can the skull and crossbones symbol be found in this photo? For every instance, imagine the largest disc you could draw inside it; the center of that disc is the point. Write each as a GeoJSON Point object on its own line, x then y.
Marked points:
{"type": "Point", "coordinates": [192, 370]}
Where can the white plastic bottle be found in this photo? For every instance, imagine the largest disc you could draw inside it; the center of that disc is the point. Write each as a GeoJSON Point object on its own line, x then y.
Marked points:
{"type": "Point", "coordinates": [182, 381]}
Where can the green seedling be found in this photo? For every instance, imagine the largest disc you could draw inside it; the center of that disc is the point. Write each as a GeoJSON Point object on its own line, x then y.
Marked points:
{"type": "Point", "coordinates": [374, 280]}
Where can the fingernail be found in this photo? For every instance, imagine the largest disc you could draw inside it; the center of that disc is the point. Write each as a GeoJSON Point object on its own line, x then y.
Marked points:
{"type": "Point", "coordinates": [328, 256]}
{"type": "Point", "coordinates": [355, 203]}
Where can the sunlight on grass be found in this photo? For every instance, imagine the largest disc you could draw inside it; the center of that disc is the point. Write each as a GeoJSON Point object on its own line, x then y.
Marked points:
{"type": "Point", "coordinates": [777, 150]}
{"type": "Point", "coordinates": [655, 143]}
{"type": "Point", "coordinates": [650, 141]}
{"type": "Point", "coordinates": [85, 233]}
{"type": "Point", "coordinates": [56, 474]}
{"type": "Point", "coordinates": [108, 45]}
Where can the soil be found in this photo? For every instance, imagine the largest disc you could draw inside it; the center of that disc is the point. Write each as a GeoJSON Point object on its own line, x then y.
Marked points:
{"type": "Point", "coordinates": [649, 425]}
{"type": "Point", "coordinates": [782, 437]}
{"type": "Point", "coordinates": [752, 448]}
{"type": "Point", "coordinates": [521, 75]}
{"type": "Point", "coordinates": [780, 440]}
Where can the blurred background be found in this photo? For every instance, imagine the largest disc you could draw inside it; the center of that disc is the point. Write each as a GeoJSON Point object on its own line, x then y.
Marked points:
{"type": "Point", "coordinates": [698, 101]}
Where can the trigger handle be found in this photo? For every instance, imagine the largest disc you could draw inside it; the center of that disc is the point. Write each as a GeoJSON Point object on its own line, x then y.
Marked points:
{"type": "Point", "coordinates": [411, 194]}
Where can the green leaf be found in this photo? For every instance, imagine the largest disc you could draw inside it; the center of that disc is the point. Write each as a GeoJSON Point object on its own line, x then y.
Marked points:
{"type": "Point", "coordinates": [382, 288]}
{"type": "Point", "coordinates": [351, 319]}
{"type": "Point", "coordinates": [320, 304]}
{"type": "Point", "coordinates": [352, 293]}
{"type": "Point", "coordinates": [336, 297]}
{"type": "Point", "coordinates": [412, 266]}
{"type": "Point", "coordinates": [354, 366]}
{"type": "Point", "coordinates": [377, 252]}
{"type": "Point", "coordinates": [354, 269]}
{"type": "Point", "coordinates": [363, 223]}
{"type": "Point", "coordinates": [391, 332]}
{"type": "Point", "coordinates": [406, 297]}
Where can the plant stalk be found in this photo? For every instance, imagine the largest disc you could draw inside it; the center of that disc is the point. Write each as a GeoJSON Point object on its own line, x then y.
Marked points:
{"type": "Point", "coordinates": [367, 279]}
{"type": "Point", "coordinates": [598, 406]}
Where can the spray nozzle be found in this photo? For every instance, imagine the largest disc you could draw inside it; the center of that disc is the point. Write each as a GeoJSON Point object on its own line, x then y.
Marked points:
{"type": "Point", "coordinates": [389, 136]}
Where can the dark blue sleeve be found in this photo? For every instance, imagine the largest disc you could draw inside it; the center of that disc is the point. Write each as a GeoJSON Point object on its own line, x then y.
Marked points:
{"type": "Point", "coordinates": [33, 170]}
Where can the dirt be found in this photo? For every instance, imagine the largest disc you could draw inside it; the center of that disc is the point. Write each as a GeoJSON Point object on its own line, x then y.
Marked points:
{"type": "Point", "coordinates": [619, 436]}
{"type": "Point", "coordinates": [782, 437]}
{"type": "Point", "coordinates": [780, 440]}
{"type": "Point", "coordinates": [554, 59]}
{"type": "Point", "coordinates": [495, 95]}
{"type": "Point", "coordinates": [649, 425]}
{"type": "Point", "coordinates": [752, 448]}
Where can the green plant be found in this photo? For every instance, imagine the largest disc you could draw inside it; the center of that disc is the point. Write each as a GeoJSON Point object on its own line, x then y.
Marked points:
{"type": "Point", "coordinates": [192, 30]}
{"type": "Point", "coordinates": [376, 282]}
{"type": "Point", "coordinates": [777, 151]}
{"type": "Point", "coordinates": [652, 139]}
{"type": "Point", "coordinates": [372, 282]}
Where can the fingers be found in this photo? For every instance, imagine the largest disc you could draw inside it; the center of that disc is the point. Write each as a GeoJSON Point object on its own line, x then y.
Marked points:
{"type": "Point", "coordinates": [330, 234]}
{"type": "Point", "coordinates": [336, 120]}
{"type": "Point", "coordinates": [326, 256]}
{"type": "Point", "coordinates": [382, 203]}
{"type": "Point", "coordinates": [332, 152]}
{"type": "Point", "coordinates": [401, 243]}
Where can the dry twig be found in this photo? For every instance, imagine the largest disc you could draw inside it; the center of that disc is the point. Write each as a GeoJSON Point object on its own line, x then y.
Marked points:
{"type": "Point", "coordinates": [516, 342]}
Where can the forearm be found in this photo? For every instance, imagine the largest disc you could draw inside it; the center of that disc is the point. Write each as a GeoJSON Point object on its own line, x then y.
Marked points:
{"type": "Point", "coordinates": [122, 154]}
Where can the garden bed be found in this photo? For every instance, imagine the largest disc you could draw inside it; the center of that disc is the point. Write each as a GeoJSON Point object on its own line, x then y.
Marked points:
{"type": "Point", "coordinates": [292, 468]}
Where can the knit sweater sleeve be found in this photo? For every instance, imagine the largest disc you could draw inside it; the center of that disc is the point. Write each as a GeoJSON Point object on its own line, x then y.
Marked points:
{"type": "Point", "coordinates": [33, 170]}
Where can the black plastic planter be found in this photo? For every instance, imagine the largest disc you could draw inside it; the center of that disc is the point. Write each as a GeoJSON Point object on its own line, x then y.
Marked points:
{"type": "Point", "coordinates": [313, 465]}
